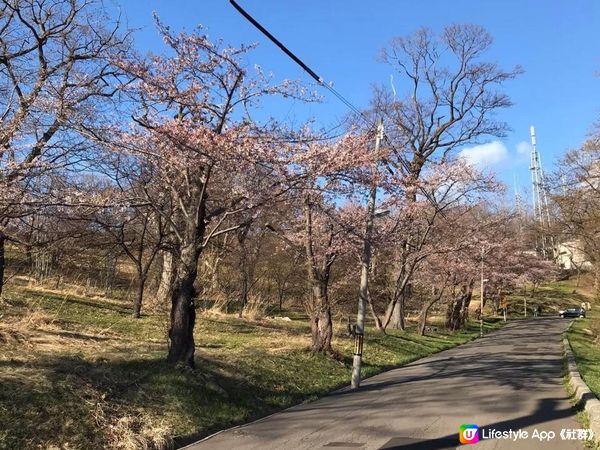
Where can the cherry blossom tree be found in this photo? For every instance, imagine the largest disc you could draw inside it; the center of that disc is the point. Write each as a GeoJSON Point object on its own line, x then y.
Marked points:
{"type": "Point", "coordinates": [212, 162]}
{"type": "Point", "coordinates": [421, 210]}
{"type": "Point", "coordinates": [507, 261]}
{"type": "Point", "coordinates": [331, 174]}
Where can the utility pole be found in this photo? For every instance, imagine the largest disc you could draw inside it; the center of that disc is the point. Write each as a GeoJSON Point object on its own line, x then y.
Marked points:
{"type": "Point", "coordinates": [365, 263]}
{"type": "Point", "coordinates": [481, 305]}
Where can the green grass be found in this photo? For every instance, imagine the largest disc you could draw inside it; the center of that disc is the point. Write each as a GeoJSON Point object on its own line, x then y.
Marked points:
{"type": "Point", "coordinates": [584, 337]}
{"type": "Point", "coordinates": [80, 372]}
{"type": "Point", "coordinates": [551, 297]}
{"type": "Point", "coordinates": [581, 415]}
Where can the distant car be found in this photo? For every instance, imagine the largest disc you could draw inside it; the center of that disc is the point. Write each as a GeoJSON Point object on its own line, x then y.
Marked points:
{"type": "Point", "coordinates": [572, 312]}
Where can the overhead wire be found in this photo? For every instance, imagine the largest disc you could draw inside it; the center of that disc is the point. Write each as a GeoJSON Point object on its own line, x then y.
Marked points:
{"type": "Point", "coordinates": [328, 86]}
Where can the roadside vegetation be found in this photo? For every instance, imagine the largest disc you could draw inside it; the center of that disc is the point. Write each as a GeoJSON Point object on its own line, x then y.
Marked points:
{"type": "Point", "coordinates": [584, 336]}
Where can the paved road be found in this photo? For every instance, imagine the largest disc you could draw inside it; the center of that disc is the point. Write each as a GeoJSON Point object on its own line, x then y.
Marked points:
{"type": "Point", "coordinates": [507, 380]}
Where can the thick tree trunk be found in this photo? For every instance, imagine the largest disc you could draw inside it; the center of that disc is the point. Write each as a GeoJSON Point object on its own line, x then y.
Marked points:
{"type": "Point", "coordinates": [395, 311]}
{"type": "Point", "coordinates": [321, 323]}
{"type": "Point", "coordinates": [2, 260]}
{"type": "Point", "coordinates": [318, 278]}
{"type": "Point", "coordinates": [453, 313]}
{"type": "Point", "coordinates": [183, 319]}
{"type": "Point", "coordinates": [458, 309]}
{"type": "Point", "coordinates": [399, 312]}
{"type": "Point", "coordinates": [183, 311]}
{"type": "Point", "coordinates": [466, 301]}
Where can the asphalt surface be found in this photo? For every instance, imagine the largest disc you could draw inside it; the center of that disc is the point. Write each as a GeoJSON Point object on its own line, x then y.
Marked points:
{"type": "Point", "coordinates": [508, 380]}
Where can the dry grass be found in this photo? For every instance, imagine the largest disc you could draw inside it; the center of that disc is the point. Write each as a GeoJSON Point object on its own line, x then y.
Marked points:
{"type": "Point", "coordinates": [139, 432]}
{"type": "Point", "coordinates": [256, 308]}
{"type": "Point", "coordinates": [21, 329]}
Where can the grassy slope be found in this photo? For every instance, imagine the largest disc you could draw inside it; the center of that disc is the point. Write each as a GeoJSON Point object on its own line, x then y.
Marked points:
{"type": "Point", "coordinates": [79, 372]}
{"type": "Point", "coordinates": [584, 337]}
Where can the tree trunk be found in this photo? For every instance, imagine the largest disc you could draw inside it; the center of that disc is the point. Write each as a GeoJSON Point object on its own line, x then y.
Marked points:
{"type": "Point", "coordinates": [399, 313]}
{"type": "Point", "coordinates": [395, 311]}
{"type": "Point", "coordinates": [183, 297]}
{"type": "Point", "coordinates": [139, 297]}
{"type": "Point", "coordinates": [425, 310]}
{"type": "Point", "coordinates": [423, 318]}
{"type": "Point", "coordinates": [318, 278]}
{"type": "Point", "coordinates": [183, 314]}
{"type": "Point", "coordinates": [466, 301]}
{"type": "Point", "coordinates": [321, 323]}
{"type": "Point", "coordinates": [2, 259]}
{"type": "Point", "coordinates": [280, 294]}
{"type": "Point", "coordinates": [496, 300]}
{"type": "Point", "coordinates": [453, 314]}
{"type": "Point", "coordinates": [458, 309]}
{"type": "Point", "coordinates": [167, 279]}
{"type": "Point", "coordinates": [376, 319]}
{"type": "Point", "coordinates": [244, 294]}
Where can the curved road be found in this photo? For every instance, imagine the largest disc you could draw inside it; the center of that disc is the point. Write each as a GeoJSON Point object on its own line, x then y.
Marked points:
{"type": "Point", "coordinates": [510, 379]}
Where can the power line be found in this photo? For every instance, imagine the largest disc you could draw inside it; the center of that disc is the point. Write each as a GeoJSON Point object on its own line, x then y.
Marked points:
{"type": "Point", "coordinates": [273, 39]}
{"type": "Point", "coordinates": [298, 61]}
{"type": "Point", "coordinates": [327, 86]}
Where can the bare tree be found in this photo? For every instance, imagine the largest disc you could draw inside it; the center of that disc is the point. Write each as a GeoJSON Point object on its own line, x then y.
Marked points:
{"type": "Point", "coordinates": [577, 199]}
{"type": "Point", "coordinates": [140, 233]}
{"type": "Point", "coordinates": [55, 72]}
{"type": "Point", "coordinates": [450, 100]}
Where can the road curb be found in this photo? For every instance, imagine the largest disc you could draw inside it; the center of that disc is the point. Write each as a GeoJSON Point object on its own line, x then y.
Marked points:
{"type": "Point", "coordinates": [583, 395]}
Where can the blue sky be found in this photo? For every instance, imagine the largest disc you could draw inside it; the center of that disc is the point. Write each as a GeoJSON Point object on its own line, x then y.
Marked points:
{"type": "Point", "coordinates": [556, 42]}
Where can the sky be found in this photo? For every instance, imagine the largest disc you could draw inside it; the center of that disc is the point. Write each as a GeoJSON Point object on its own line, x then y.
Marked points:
{"type": "Point", "coordinates": [556, 42]}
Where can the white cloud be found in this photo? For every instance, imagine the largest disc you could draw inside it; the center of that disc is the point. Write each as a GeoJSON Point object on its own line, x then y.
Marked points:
{"type": "Point", "coordinates": [523, 148]}
{"type": "Point", "coordinates": [485, 155]}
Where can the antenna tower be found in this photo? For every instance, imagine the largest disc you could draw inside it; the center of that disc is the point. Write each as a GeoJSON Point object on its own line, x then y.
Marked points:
{"type": "Point", "coordinates": [541, 212]}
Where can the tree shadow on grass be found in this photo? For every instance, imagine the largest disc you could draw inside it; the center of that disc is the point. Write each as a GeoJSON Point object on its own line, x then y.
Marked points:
{"type": "Point", "coordinates": [73, 389]}
{"type": "Point", "coordinates": [90, 303]}
{"type": "Point", "coordinates": [247, 327]}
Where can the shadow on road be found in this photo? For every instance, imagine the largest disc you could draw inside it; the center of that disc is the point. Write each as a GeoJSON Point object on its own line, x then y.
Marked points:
{"type": "Point", "coordinates": [546, 411]}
